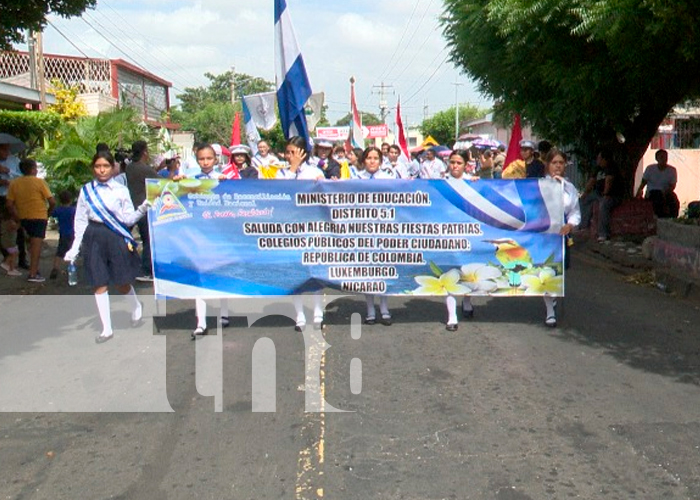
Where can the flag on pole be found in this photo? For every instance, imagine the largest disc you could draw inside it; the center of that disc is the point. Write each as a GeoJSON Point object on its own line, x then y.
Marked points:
{"type": "Point", "coordinates": [293, 88]}
{"type": "Point", "coordinates": [262, 109]}
{"type": "Point", "coordinates": [356, 138]}
{"type": "Point", "coordinates": [400, 132]}
{"type": "Point", "coordinates": [314, 108]}
{"type": "Point", "coordinates": [251, 131]}
{"type": "Point", "coordinates": [236, 130]}
{"type": "Point", "coordinates": [516, 136]}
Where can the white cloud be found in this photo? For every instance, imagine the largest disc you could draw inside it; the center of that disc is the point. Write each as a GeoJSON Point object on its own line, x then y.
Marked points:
{"type": "Point", "coordinates": [373, 40]}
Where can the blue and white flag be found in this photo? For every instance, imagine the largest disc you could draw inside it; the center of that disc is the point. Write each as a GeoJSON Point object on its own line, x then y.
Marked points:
{"type": "Point", "coordinates": [251, 131]}
{"type": "Point", "coordinates": [293, 88]}
{"type": "Point", "coordinates": [262, 109]}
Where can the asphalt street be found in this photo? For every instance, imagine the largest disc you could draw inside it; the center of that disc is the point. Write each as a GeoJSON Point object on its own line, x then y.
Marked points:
{"type": "Point", "coordinates": [604, 406]}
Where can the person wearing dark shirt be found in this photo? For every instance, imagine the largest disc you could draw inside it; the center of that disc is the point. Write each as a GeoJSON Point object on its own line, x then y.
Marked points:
{"type": "Point", "coordinates": [612, 193]}
{"type": "Point", "coordinates": [136, 174]}
{"type": "Point", "coordinates": [534, 168]}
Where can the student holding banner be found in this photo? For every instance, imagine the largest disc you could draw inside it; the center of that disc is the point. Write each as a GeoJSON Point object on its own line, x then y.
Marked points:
{"type": "Point", "coordinates": [296, 153]}
{"type": "Point", "coordinates": [208, 169]}
{"type": "Point", "coordinates": [457, 172]}
{"type": "Point", "coordinates": [372, 161]}
{"type": "Point", "coordinates": [555, 167]}
{"type": "Point", "coordinates": [102, 217]}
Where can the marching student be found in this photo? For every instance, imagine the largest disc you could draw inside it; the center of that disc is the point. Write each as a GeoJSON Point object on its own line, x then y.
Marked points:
{"type": "Point", "coordinates": [240, 166]}
{"type": "Point", "coordinates": [555, 168]}
{"type": "Point", "coordinates": [296, 154]}
{"type": "Point", "coordinates": [208, 169]}
{"type": "Point", "coordinates": [372, 161]}
{"type": "Point", "coordinates": [456, 171]}
{"type": "Point", "coordinates": [103, 216]}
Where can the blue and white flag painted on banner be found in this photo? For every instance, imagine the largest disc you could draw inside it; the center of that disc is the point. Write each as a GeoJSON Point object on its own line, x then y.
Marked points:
{"type": "Point", "coordinates": [293, 88]}
{"type": "Point", "coordinates": [215, 238]}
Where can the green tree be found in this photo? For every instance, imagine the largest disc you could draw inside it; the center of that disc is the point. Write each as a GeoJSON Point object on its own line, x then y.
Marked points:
{"type": "Point", "coordinates": [581, 73]}
{"type": "Point", "coordinates": [68, 154]}
{"type": "Point", "coordinates": [17, 16]}
{"type": "Point", "coordinates": [367, 119]}
{"type": "Point", "coordinates": [442, 124]}
{"type": "Point", "coordinates": [219, 90]}
{"type": "Point", "coordinates": [208, 112]}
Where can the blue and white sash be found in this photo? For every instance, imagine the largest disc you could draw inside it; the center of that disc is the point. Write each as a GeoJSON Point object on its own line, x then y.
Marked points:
{"type": "Point", "coordinates": [108, 218]}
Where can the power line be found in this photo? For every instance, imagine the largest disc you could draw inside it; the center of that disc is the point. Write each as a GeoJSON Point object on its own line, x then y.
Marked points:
{"type": "Point", "coordinates": [428, 80]}
{"type": "Point", "coordinates": [405, 30]}
{"type": "Point", "coordinates": [67, 39]}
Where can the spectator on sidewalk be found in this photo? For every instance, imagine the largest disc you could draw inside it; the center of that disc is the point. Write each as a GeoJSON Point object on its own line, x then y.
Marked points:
{"type": "Point", "coordinates": [613, 191]}
{"type": "Point", "coordinates": [660, 179]}
{"type": "Point", "coordinates": [30, 201]}
{"type": "Point", "coordinates": [136, 174]}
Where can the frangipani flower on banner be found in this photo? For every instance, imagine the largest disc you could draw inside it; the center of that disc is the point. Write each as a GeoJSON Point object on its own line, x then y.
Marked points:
{"type": "Point", "coordinates": [546, 281]}
{"type": "Point", "coordinates": [446, 284]}
{"type": "Point", "coordinates": [480, 277]}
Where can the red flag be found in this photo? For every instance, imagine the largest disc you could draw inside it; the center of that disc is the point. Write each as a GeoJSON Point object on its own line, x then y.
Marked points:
{"type": "Point", "coordinates": [402, 135]}
{"type": "Point", "coordinates": [516, 136]}
{"type": "Point", "coordinates": [236, 130]}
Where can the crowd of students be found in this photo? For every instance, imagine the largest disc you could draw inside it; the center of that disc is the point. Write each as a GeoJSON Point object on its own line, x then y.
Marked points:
{"type": "Point", "coordinates": [105, 211]}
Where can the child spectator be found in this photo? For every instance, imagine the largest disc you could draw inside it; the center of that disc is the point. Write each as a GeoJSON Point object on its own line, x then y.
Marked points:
{"type": "Point", "coordinates": [8, 243]}
{"type": "Point", "coordinates": [27, 200]}
{"type": "Point", "coordinates": [64, 214]}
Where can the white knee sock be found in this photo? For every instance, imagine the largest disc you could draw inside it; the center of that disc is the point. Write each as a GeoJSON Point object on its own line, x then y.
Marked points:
{"type": "Point", "coordinates": [549, 304]}
{"type": "Point", "coordinates": [102, 300]}
{"type": "Point", "coordinates": [318, 308]}
{"type": "Point", "coordinates": [451, 303]}
{"type": "Point", "coordinates": [370, 306]}
{"type": "Point", "coordinates": [136, 309]}
{"type": "Point", "coordinates": [467, 304]}
{"type": "Point", "coordinates": [299, 308]}
{"type": "Point", "coordinates": [384, 306]}
{"type": "Point", "coordinates": [200, 309]}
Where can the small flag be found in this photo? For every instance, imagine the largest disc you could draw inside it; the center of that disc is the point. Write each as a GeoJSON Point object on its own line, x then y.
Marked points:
{"type": "Point", "coordinates": [516, 136]}
{"type": "Point", "coordinates": [236, 130]}
{"type": "Point", "coordinates": [313, 109]}
{"type": "Point", "coordinates": [262, 109]}
{"type": "Point", "coordinates": [400, 132]}
{"type": "Point", "coordinates": [356, 138]}
{"type": "Point", "coordinates": [293, 88]}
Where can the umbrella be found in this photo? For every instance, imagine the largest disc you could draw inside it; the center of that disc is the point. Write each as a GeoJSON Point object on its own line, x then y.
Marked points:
{"type": "Point", "coordinates": [441, 150]}
{"type": "Point", "coordinates": [16, 145]}
{"type": "Point", "coordinates": [468, 137]}
{"type": "Point", "coordinates": [486, 143]}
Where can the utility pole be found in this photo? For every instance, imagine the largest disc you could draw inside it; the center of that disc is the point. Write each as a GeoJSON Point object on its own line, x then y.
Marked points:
{"type": "Point", "coordinates": [40, 65]}
{"type": "Point", "coordinates": [383, 107]}
{"type": "Point", "coordinates": [457, 85]}
{"type": "Point", "coordinates": [31, 50]}
{"type": "Point", "coordinates": [233, 85]}
{"type": "Point", "coordinates": [425, 110]}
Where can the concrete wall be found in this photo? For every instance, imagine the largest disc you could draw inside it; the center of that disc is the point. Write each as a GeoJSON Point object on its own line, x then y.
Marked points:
{"type": "Point", "coordinates": [96, 102]}
{"type": "Point", "coordinates": [687, 163]}
{"type": "Point", "coordinates": [677, 247]}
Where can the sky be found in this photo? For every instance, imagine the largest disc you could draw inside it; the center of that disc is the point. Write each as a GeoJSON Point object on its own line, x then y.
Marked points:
{"type": "Point", "coordinates": [397, 43]}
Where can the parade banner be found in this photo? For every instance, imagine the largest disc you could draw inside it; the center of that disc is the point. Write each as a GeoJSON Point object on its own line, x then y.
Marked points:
{"type": "Point", "coordinates": [215, 238]}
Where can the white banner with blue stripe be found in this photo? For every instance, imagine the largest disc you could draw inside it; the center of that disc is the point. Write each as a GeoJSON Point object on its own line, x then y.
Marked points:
{"type": "Point", "coordinates": [215, 238]}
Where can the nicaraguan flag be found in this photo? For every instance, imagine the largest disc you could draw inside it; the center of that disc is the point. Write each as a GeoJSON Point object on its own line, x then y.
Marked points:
{"type": "Point", "coordinates": [251, 131]}
{"type": "Point", "coordinates": [293, 88]}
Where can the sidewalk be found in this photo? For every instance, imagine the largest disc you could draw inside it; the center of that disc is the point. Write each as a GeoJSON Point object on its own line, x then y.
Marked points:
{"type": "Point", "coordinates": [632, 258]}
{"type": "Point", "coordinates": [18, 285]}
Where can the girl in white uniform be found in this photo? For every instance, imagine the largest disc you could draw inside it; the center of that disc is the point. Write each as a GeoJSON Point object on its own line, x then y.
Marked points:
{"type": "Point", "coordinates": [372, 161]}
{"type": "Point", "coordinates": [295, 154]}
{"type": "Point", "coordinates": [555, 167]}
{"type": "Point", "coordinates": [208, 169]}
{"type": "Point", "coordinates": [103, 216]}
